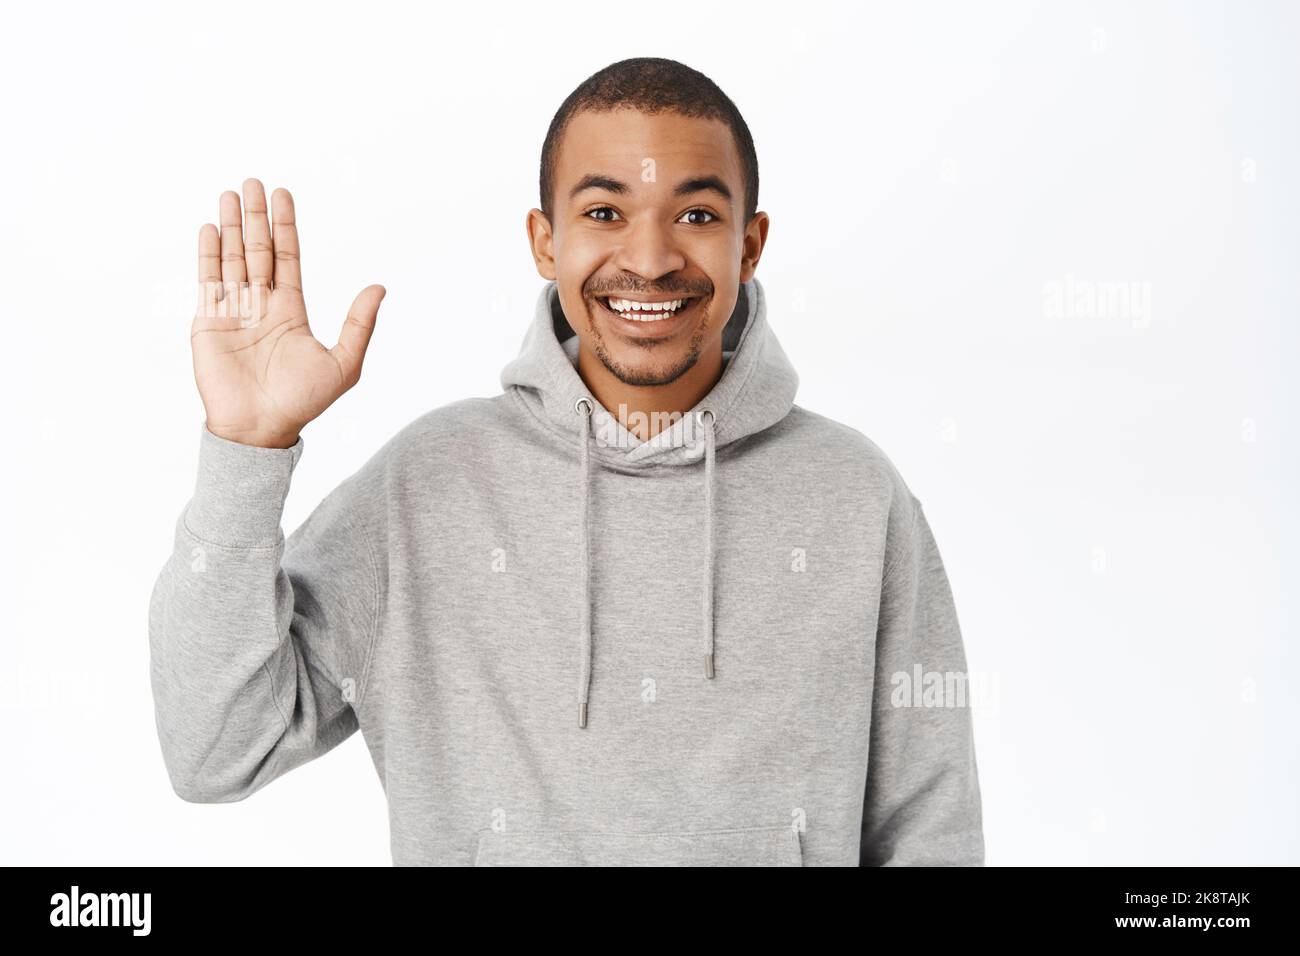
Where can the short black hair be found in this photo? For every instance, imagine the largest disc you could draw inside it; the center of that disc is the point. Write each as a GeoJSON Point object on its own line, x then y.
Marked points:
{"type": "Point", "coordinates": [651, 85]}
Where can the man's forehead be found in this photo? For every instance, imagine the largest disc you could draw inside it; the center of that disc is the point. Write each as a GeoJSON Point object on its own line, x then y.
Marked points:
{"type": "Point", "coordinates": [625, 143]}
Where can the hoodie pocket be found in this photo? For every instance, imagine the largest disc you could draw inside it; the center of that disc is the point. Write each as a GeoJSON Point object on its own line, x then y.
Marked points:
{"type": "Point", "coordinates": [757, 846]}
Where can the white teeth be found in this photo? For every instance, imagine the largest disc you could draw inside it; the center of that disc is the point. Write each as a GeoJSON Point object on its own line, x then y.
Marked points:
{"type": "Point", "coordinates": [630, 309]}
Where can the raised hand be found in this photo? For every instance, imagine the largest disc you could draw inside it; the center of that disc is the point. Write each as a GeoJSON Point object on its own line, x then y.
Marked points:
{"type": "Point", "coordinates": [260, 372]}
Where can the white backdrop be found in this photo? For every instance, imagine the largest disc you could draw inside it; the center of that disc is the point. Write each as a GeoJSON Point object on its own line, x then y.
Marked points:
{"type": "Point", "coordinates": [1044, 255]}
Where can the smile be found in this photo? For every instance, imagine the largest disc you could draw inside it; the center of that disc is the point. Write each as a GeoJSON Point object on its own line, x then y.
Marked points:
{"type": "Point", "coordinates": [649, 315]}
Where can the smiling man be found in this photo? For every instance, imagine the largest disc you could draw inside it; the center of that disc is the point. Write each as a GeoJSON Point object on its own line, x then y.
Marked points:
{"type": "Point", "coordinates": [650, 265]}
{"type": "Point", "coordinates": [640, 608]}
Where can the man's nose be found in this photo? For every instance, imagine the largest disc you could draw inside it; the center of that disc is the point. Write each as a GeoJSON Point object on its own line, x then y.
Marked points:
{"type": "Point", "coordinates": [650, 251]}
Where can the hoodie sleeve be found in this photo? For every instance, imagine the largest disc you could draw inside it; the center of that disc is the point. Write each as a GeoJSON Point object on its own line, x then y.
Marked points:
{"type": "Point", "coordinates": [258, 645]}
{"type": "Point", "coordinates": [922, 802]}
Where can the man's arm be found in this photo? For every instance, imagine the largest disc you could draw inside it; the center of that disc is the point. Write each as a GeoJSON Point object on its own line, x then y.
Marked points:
{"type": "Point", "coordinates": [922, 804]}
{"type": "Point", "coordinates": [258, 645]}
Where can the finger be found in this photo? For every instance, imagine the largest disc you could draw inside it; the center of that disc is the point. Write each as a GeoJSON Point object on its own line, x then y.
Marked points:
{"type": "Point", "coordinates": [257, 235]}
{"type": "Point", "coordinates": [232, 240]}
{"type": "Point", "coordinates": [288, 269]}
{"type": "Point", "coordinates": [355, 336]}
{"type": "Point", "coordinates": [209, 269]}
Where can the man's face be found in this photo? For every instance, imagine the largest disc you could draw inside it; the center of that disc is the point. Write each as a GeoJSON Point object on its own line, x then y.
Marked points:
{"type": "Point", "coordinates": [642, 218]}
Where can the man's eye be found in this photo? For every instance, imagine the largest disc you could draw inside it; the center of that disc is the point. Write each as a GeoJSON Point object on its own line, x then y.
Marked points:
{"type": "Point", "coordinates": [607, 214]}
{"type": "Point", "coordinates": [698, 212]}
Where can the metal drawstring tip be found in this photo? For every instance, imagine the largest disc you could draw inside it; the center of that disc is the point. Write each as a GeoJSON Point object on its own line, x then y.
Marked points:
{"type": "Point", "coordinates": [582, 715]}
{"type": "Point", "coordinates": [708, 666]}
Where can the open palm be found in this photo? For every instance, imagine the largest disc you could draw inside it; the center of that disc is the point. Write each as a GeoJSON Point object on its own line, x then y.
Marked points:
{"type": "Point", "coordinates": [261, 373]}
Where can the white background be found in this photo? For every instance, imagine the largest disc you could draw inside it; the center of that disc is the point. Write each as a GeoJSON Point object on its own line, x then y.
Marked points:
{"type": "Point", "coordinates": [1113, 493]}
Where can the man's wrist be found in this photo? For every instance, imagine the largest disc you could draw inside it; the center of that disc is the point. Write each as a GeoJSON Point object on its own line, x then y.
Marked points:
{"type": "Point", "coordinates": [256, 439]}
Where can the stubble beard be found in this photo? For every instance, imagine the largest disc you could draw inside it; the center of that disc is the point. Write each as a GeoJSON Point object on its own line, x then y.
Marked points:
{"type": "Point", "coordinates": [644, 379]}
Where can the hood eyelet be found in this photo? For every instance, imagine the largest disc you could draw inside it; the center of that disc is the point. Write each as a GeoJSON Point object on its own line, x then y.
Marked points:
{"type": "Point", "coordinates": [578, 406]}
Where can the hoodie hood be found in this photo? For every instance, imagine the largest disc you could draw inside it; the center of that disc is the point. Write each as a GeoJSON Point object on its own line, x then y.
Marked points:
{"type": "Point", "coordinates": [755, 391]}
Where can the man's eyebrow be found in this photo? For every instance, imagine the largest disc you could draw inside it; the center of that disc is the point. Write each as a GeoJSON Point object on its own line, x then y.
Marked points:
{"type": "Point", "coordinates": [686, 187]}
{"type": "Point", "coordinates": [702, 184]}
{"type": "Point", "coordinates": [598, 181]}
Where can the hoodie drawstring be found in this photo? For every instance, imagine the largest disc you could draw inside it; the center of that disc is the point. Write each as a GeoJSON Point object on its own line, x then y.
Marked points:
{"type": "Point", "coordinates": [583, 407]}
{"type": "Point", "coordinates": [706, 418]}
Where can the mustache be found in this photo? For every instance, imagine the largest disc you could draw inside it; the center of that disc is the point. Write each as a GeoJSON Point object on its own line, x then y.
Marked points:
{"type": "Point", "coordinates": [635, 290]}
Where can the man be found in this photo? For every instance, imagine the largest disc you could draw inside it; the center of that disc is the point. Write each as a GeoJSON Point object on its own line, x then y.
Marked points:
{"type": "Point", "coordinates": [640, 608]}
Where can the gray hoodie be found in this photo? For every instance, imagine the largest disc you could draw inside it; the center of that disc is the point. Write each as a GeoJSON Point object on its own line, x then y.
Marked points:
{"type": "Point", "coordinates": [733, 644]}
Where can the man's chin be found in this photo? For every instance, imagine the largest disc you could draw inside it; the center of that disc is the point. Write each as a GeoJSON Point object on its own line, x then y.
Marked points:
{"type": "Point", "coordinates": [632, 368]}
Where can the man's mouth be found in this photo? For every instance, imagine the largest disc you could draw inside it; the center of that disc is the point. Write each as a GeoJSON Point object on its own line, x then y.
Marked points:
{"type": "Point", "coordinates": [649, 315]}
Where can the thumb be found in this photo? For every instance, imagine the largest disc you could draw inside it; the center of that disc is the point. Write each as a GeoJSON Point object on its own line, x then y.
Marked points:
{"type": "Point", "coordinates": [355, 337]}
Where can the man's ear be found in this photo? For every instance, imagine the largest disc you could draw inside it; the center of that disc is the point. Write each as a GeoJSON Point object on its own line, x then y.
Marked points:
{"type": "Point", "coordinates": [541, 242]}
{"type": "Point", "coordinates": [752, 245]}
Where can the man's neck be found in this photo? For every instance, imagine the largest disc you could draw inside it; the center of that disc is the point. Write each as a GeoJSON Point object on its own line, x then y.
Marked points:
{"type": "Point", "coordinates": [647, 410]}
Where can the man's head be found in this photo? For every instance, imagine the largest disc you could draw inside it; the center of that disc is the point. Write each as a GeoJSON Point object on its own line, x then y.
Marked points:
{"type": "Point", "coordinates": [649, 192]}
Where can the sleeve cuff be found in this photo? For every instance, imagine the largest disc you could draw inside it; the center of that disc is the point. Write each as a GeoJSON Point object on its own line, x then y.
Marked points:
{"type": "Point", "coordinates": [240, 493]}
